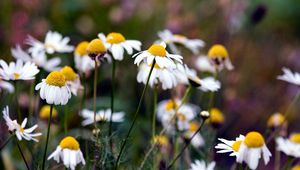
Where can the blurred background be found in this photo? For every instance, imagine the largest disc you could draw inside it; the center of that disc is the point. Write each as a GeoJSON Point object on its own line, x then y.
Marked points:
{"type": "Point", "coordinates": [261, 36]}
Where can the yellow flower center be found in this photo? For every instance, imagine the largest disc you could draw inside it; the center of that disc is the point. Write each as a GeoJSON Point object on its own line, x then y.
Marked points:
{"type": "Point", "coordinates": [297, 167]}
{"type": "Point", "coordinates": [81, 48]}
{"type": "Point", "coordinates": [275, 120]}
{"type": "Point", "coordinates": [160, 140]}
{"type": "Point", "coordinates": [157, 50]}
{"type": "Point", "coordinates": [22, 130]}
{"type": "Point", "coordinates": [216, 116]}
{"type": "Point", "coordinates": [295, 138]}
{"type": "Point", "coordinates": [217, 50]}
{"type": "Point", "coordinates": [181, 117]}
{"type": "Point", "coordinates": [16, 75]}
{"type": "Point", "coordinates": [56, 78]}
{"type": "Point", "coordinates": [69, 73]}
{"type": "Point", "coordinates": [171, 105]}
{"type": "Point", "coordinates": [254, 140]}
{"type": "Point", "coordinates": [115, 38]}
{"type": "Point", "coordinates": [69, 143]}
{"type": "Point", "coordinates": [96, 46]}
{"type": "Point", "coordinates": [193, 126]}
{"type": "Point", "coordinates": [236, 146]}
{"type": "Point", "coordinates": [45, 112]}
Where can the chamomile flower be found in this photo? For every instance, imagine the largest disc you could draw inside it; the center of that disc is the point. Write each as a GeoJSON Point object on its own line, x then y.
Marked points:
{"type": "Point", "coordinates": [6, 86]}
{"type": "Point", "coordinates": [165, 76]}
{"type": "Point", "coordinates": [18, 70]}
{"type": "Point", "coordinates": [54, 89]}
{"type": "Point", "coordinates": [101, 115]}
{"type": "Point", "coordinates": [116, 44]}
{"type": "Point", "coordinates": [290, 146]}
{"type": "Point", "coordinates": [160, 140]}
{"type": "Point", "coordinates": [96, 49]}
{"type": "Point", "coordinates": [72, 79]}
{"type": "Point", "coordinates": [69, 152]}
{"type": "Point", "coordinates": [218, 55]}
{"type": "Point", "coordinates": [45, 112]}
{"type": "Point", "coordinates": [82, 61]}
{"type": "Point", "coordinates": [40, 59]}
{"type": "Point", "coordinates": [197, 140]}
{"type": "Point", "coordinates": [276, 120]}
{"type": "Point", "coordinates": [192, 44]}
{"type": "Point", "coordinates": [203, 64]}
{"type": "Point", "coordinates": [288, 76]}
{"type": "Point", "coordinates": [158, 53]}
{"type": "Point", "coordinates": [251, 150]}
{"type": "Point", "coordinates": [54, 42]}
{"type": "Point", "coordinates": [216, 118]}
{"type": "Point", "coordinates": [201, 165]}
{"type": "Point", "coordinates": [18, 129]}
{"type": "Point", "coordinates": [230, 146]}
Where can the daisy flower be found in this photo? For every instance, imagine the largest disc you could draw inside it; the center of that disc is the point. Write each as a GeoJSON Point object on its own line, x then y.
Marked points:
{"type": "Point", "coordinates": [288, 76]}
{"type": "Point", "coordinates": [116, 44]}
{"type": "Point", "coordinates": [6, 86]}
{"type": "Point", "coordinates": [276, 120]}
{"type": "Point", "coordinates": [96, 49]}
{"type": "Point", "coordinates": [54, 89]}
{"type": "Point", "coordinates": [101, 115]}
{"type": "Point", "coordinates": [192, 44]}
{"type": "Point", "coordinates": [69, 152]}
{"type": "Point", "coordinates": [18, 129]}
{"type": "Point", "coordinates": [18, 71]}
{"type": "Point", "coordinates": [203, 64]}
{"type": "Point", "coordinates": [290, 146]}
{"type": "Point", "coordinates": [72, 79]}
{"type": "Point", "coordinates": [82, 61]}
{"type": "Point", "coordinates": [218, 55]}
{"type": "Point", "coordinates": [54, 42]}
{"type": "Point", "coordinates": [165, 76]}
{"type": "Point", "coordinates": [197, 140]}
{"type": "Point", "coordinates": [45, 112]}
{"type": "Point", "coordinates": [230, 146]}
{"type": "Point", "coordinates": [201, 165]}
{"type": "Point", "coordinates": [216, 118]}
{"type": "Point", "coordinates": [40, 59]}
{"type": "Point", "coordinates": [160, 140]}
{"type": "Point", "coordinates": [158, 53]}
{"type": "Point", "coordinates": [251, 150]}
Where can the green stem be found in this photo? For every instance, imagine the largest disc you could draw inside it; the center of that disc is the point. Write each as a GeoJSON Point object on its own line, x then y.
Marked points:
{"type": "Point", "coordinates": [112, 101]}
{"type": "Point", "coordinates": [95, 94]}
{"type": "Point", "coordinates": [134, 118]}
{"type": "Point", "coordinates": [47, 139]}
{"type": "Point", "coordinates": [20, 150]}
{"type": "Point", "coordinates": [6, 142]}
{"type": "Point", "coordinates": [154, 111]}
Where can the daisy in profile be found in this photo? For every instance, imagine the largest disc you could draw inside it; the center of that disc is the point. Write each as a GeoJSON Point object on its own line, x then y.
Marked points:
{"type": "Point", "coordinates": [101, 115]}
{"type": "Point", "coordinates": [230, 146]}
{"type": "Point", "coordinates": [54, 89]}
{"type": "Point", "coordinates": [54, 42]}
{"type": "Point", "coordinates": [219, 56]}
{"type": "Point", "coordinates": [290, 146]}
{"type": "Point", "coordinates": [96, 49]}
{"type": "Point", "coordinates": [40, 59]}
{"type": "Point", "coordinates": [193, 45]}
{"type": "Point", "coordinates": [288, 76]}
{"type": "Point", "coordinates": [216, 118]}
{"type": "Point", "coordinates": [18, 70]}
{"type": "Point", "coordinates": [6, 86]}
{"type": "Point", "coordinates": [82, 61]}
{"type": "Point", "coordinates": [19, 130]}
{"type": "Point", "coordinates": [201, 165]}
{"type": "Point", "coordinates": [203, 64]}
{"type": "Point", "coordinates": [45, 112]}
{"type": "Point", "coordinates": [197, 140]}
{"type": "Point", "coordinates": [251, 150]}
{"type": "Point", "coordinates": [276, 120]}
{"type": "Point", "coordinates": [116, 44]}
{"type": "Point", "coordinates": [72, 79]}
{"type": "Point", "coordinates": [163, 76]}
{"type": "Point", "coordinates": [69, 152]}
{"type": "Point", "coordinates": [158, 53]}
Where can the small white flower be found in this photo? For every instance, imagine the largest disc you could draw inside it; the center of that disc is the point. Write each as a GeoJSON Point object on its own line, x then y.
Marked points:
{"type": "Point", "coordinates": [20, 130]}
{"type": "Point", "coordinates": [6, 86]}
{"type": "Point", "coordinates": [69, 152]}
{"type": "Point", "coordinates": [101, 115]}
{"type": "Point", "coordinates": [230, 146]}
{"type": "Point", "coordinates": [192, 44]}
{"type": "Point", "coordinates": [203, 64]}
{"type": "Point", "coordinates": [116, 43]}
{"type": "Point", "coordinates": [201, 165]}
{"type": "Point", "coordinates": [54, 89]}
{"type": "Point", "coordinates": [219, 56]}
{"type": "Point", "coordinates": [288, 76]}
{"type": "Point", "coordinates": [83, 62]}
{"type": "Point", "coordinates": [18, 71]}
{"type": "Point", "coordinates": [158, 53]}
{"type": "Point", "coordinates": [291, 146]}
{"type": "Point", "coordinates": [54, 42]}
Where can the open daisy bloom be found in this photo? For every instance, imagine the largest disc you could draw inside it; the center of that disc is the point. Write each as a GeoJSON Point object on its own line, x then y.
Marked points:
{"type": "Point", "coordinates": [6, 86]}
{"type": "Point", "coordinates": [251, 150]}
{"type": "Point", "coordinates": [18, 129]}
{"type": "Point", "coordinates": [218, 55]}
{"type": "Point", "coordinates": [276, 120]}
{"type": "Point", "coordinates": [96, 49]}
{"type": "Point", "coordinates": [158, 53]}
{"type": "Point", "coordinates": [193, 45]}
{"type": "Point", "coordinates": [82, 61]}
{"type": "Point", "coordinates": [288, 76]}
{"type": "Point", "coordinates": [18, 71]}
{"type": "Point", "coordinates": [201, 165]}
{"type": "Point", "coordinates": [216, 118]}
{"type": "Point", "coordinates": [45, 112]}
{"type": "Point", "coordinates": [69, 152]}
{"type": "Point", "coordinates": [101, 115]}
{"type": "Point", "coordinates": [290, 146]}
{"type": "Point", "coordinates": [230, 146]}
{"type": "Point", "coordinates": [72, 79]}
{"type": "Point", "coordinates": [116, 43]}
{"type": "Point", "coordinates": [54, 89]}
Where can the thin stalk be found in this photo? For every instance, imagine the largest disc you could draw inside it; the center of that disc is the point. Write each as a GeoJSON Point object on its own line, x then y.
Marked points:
{"type": "Point", "coordinates": [134, 118]}
{"type": "Point", "coordinates": [20, 150]}
{"type": "Point", "coordinates": [47, 139]}
{"type": "Point", "coordinates": [6, 142]}
{"type": "Point", "coordinates": [95, 93]}
{"type": "Point", "coordinates": [154, 110]}
{"type": "Point", "coordinates": [84, 92]}
{"type": "Point", "coordinates": [112, 101]}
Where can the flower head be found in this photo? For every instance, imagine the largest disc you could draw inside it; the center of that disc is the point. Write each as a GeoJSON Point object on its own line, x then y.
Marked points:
{"type": "Point", "coordinates": [18, 71]}
{"type": "Point", "coordinates": [201, 165]}
{"type": "Point", "coordinates": [290, 146]}
{"type": "Point", "coordinates": [288, 76]}
{"type": "Point", "coordinates": [96, 49]}
{"type": "Point", "coordinates": [82, 61]}
{"type": "Point", "coordinates": [276, 120]}
{"type": "Point", "coordinates": [101, 115]}
{"type": "Point", "coordinates": [219, 57]}
{"type": "Point", "coordinates": [45, 112]}
{"type": "Point", "coordinates": [160, 140]}
{"type": "Point", "coordinates": [216, 117]}
{"type": "Point", "coordinates": [230, 146]}
{"type": "Point", "coordinates": [72, 79]}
